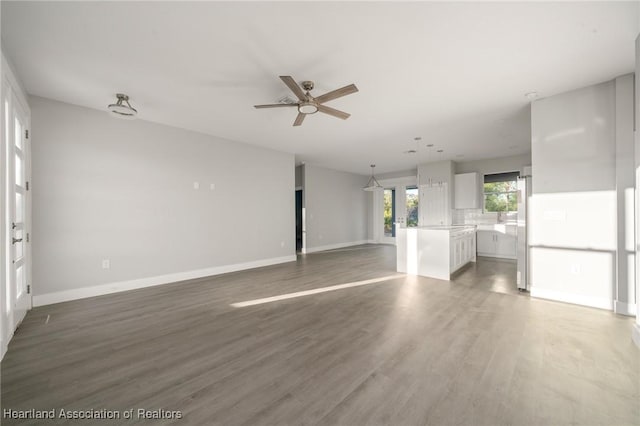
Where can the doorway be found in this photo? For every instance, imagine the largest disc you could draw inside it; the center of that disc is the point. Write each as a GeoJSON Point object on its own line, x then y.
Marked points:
{"type": "Point", "coordinates": [389, 215]}
{"type": "Point", "coordinates": [397, 204]}
{"type": "Point", "coordinates": [299, 220]}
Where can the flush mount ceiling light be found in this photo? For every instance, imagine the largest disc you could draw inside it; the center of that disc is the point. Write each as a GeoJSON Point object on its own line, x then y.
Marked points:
{"type": "Point", "coordinates": [373, 184]}
{"type": "Point", "coordinates": [122, 108]}
{"type": "Point", "coordinates": [307, 108]}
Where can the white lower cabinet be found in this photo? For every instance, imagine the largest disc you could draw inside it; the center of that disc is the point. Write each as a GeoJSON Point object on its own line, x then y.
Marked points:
{"type": "Point", "coordinates": [434, 251]}
{"type": "Point", "coordinates": [496, 244]}
{"type": "Point", "coordinates": [462, 249]}
{"type": "Point", "coordinates": [486, 242]}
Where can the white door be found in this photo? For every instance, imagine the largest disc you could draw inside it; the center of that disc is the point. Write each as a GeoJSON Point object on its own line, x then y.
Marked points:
{"type": "Point", "coordinates": [18, 274]}
{"type": "Point", "coordinates": [400, 206]}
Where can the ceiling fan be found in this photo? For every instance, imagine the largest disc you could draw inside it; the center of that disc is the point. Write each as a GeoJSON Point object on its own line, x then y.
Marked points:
{"type": "Point", "coordinates": [308, 104]}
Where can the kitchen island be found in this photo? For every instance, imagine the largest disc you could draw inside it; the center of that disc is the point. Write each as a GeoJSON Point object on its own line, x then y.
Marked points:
{"type": "Point", "coordinates": [435, 251]}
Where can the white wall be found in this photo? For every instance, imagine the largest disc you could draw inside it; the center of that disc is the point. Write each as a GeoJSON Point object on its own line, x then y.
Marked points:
{"type": "Point", "coordinates": [399, 174]}
{"type": "Point", "coordinates": [573, 207]}
{"type": "Point", "coordinates": [636, 144]}
{"type": "Point", "coordinates": [299, 176]}
{"type": "Point", "coordinates": [122, 190]}
{"type": "Point", "coordinates": [512, 163]}
{"type": "Point", "coordinates": [335, 207]}
{"type": "Point", "coordinates": [625, 297]}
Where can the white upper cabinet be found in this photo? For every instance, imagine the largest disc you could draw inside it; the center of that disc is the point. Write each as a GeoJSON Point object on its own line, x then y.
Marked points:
{"type": "Point", "coordinates": [467, 191]}
{"type": "Point", "coordinates": [434, 205]}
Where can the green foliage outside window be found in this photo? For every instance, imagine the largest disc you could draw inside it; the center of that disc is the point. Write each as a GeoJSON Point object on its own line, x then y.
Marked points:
{"type": "Point", "coordinates": [412, 206]}
{"type": "Point", "coordinates": [388, 212]}
{"type": "Point", "coordinates": [500, 196]}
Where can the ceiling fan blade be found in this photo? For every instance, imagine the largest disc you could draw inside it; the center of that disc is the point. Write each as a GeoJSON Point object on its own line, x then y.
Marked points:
{"type": "Point", "coordinates": [338, 93]}
{"type": "Point", "coordinates": [274, 105]}
{"type": "Point", "coordinates": [334, 112]}
{"type": "Point", "coordinates": [291, 84]}
{"type": "Point", "coordinates": [299, 119]}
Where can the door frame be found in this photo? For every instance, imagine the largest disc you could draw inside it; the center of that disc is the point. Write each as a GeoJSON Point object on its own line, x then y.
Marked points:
{"type": "Point", "coordinates": [21, 305]}
{"type": "Point", "coordinates": [399, 184]}
{"type": "Point", "coordinates": [11, 90]}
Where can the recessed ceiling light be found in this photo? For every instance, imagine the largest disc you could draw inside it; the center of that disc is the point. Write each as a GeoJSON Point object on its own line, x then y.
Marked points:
{"type": "Point", "coordinates": [531, 95]}
{"type": "Point", "coordinates": [411, 151]}
{"type": "Point", "coordinates": [417, 138]}
{"type": "Point", "coordinates": [429, 145]}
{"type": "Point", "coordinates": [441, 150]}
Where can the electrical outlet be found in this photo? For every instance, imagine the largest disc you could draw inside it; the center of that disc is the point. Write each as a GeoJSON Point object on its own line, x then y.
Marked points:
{"type": "Point", "coordinates": [106, 264]}
{"type": "Point", "coordinates": [212, 186]}
{"type": "Point", "coordinates": [196, 185]}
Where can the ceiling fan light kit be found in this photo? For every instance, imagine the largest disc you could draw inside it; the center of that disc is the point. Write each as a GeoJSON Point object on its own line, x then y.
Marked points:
{"type": "Point", "coordinates": [307, 108]}
{"type": "Point", "coordinates": [122, 108]}
{"type": "Point", "coordinates": [308, 104]}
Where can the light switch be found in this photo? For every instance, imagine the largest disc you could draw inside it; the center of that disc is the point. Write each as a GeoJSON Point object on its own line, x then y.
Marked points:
{"type": "Point", "coordinates": [196, 185]}
{"type": "Point", "coordinates": [106, 264]}
{"type": "Point", "coordinates": [212, 186]}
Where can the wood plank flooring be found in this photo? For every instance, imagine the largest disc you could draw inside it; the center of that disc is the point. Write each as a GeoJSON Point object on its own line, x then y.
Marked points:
{"type": "Point", "coordinates": [407, 351]}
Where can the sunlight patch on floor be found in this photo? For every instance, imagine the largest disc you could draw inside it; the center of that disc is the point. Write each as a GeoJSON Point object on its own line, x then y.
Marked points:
{"type": "Point", "coordinates": [314, 291]}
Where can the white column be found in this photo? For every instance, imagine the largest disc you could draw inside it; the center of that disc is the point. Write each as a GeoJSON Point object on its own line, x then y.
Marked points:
{"type": "Point", "coordinates": [636, 329]}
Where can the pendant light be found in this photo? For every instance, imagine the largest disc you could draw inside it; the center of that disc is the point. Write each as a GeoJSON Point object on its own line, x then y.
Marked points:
{"type": "Point", "coordinates": [373, 184]}
{"type": "Point", "coordinates": [122, 108]}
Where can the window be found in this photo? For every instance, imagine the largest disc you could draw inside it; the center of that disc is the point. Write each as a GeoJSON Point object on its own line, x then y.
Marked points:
{"type": "Point", "coordinates": [500, 192]}
{"type": "Point", "coordinates": [389, 198]}
{"type": "Point", "coordinates": [412, 205]}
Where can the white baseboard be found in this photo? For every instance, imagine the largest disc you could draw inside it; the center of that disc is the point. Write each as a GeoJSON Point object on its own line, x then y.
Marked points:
{"type": "Point", "coordinates": [334, 246]}
{"type": "Point", "coordinates": [576, 299]}
{"type": "Point", "coordinates": [99, 290]}
{"type": "Point", "coordinates": [635, 334]}
{"type": "Point", "coordinates": [624, 308]}
{"type": "Point", "coordinates": [497, 256]}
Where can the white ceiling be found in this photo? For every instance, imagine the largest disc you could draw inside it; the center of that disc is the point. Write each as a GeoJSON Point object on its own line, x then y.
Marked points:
{"type": "Point", "coordinates": [453, 73]}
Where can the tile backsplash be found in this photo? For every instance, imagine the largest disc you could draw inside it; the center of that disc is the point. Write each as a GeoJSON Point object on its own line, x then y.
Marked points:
{"type": "Point", "coordinates": [479, 217]}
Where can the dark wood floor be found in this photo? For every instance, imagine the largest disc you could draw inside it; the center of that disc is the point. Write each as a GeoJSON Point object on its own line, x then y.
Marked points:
{"type": "Point", "coordinates": [405, 351]}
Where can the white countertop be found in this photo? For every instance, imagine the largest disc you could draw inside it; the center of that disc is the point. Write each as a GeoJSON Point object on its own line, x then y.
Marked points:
{"type": "Point", "coordinates": [505, 228]}
{"type": "Point", "coordinates": [441, 227]}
